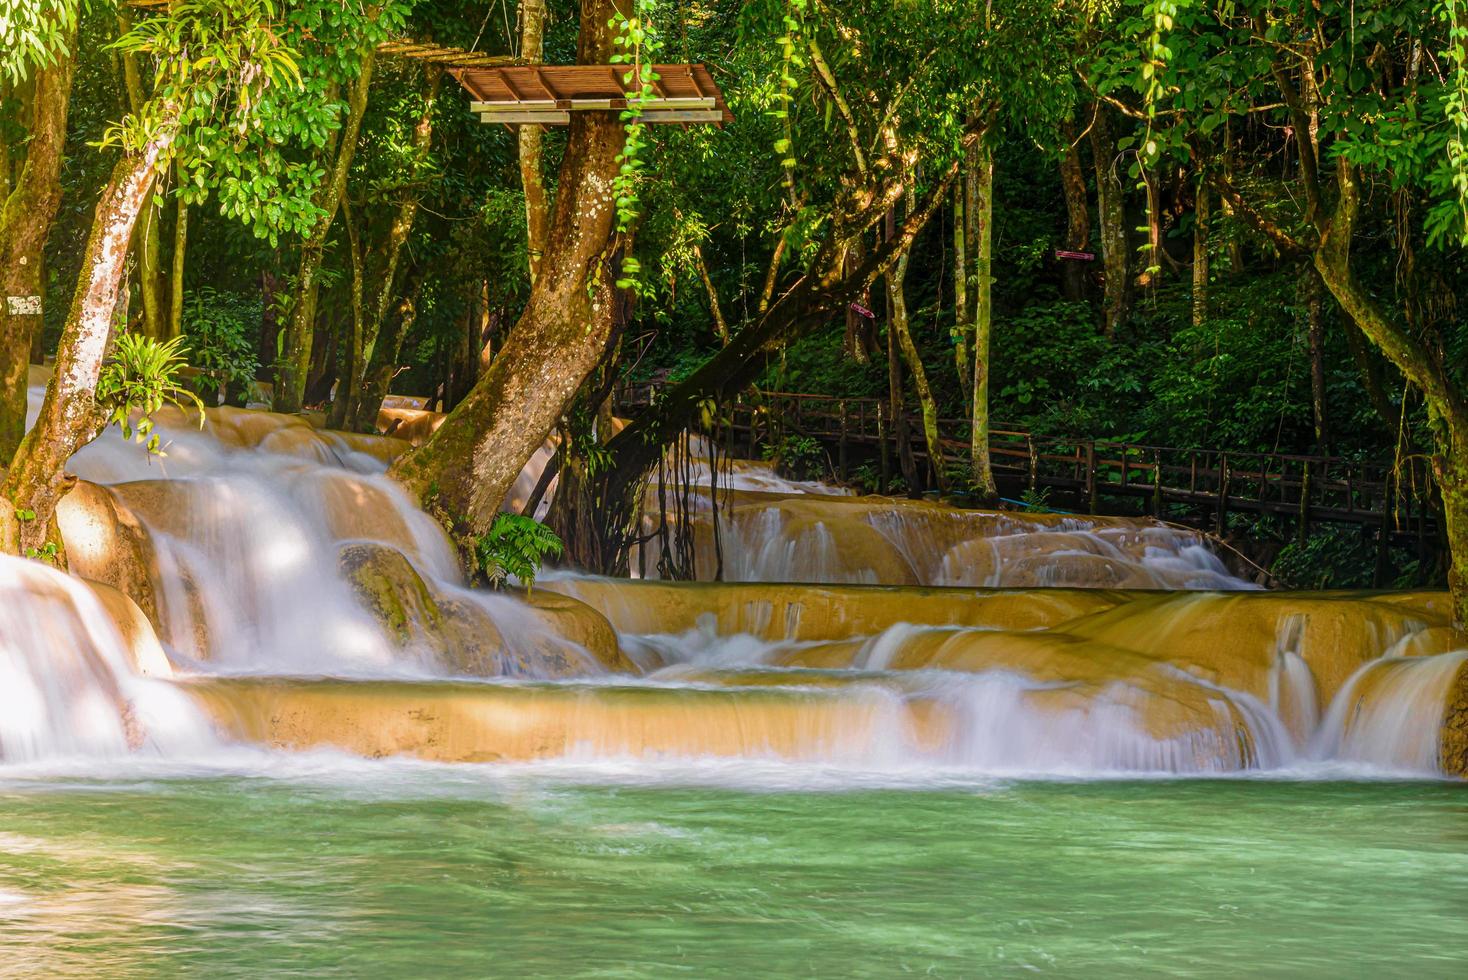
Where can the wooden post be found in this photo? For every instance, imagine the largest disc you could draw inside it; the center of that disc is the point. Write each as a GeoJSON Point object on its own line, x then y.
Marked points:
{"type": "Point", "coordinates": [1157, 483]}
{"type": "Point", "coordinates": [753, 424]}
{"type": "Point", "coordinates": [1092, 491]}
{"type": "Point", "coordinates": [1192, 472]}
{"type": "Point", "coordinates": [1222, 515]}
{"type": "Point", "coordinates": [1383, 535]}
{"type": "Point", "coordinates": [1304, 529]}
{"type": "Point", "coordinates": [1034, 463]}
{"type": "Point", "coordinates": [882, 451]}
{"type": "Point", "coordinates": [841, 447]}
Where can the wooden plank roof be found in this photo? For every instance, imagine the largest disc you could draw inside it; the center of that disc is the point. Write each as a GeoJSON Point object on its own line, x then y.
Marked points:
{"type": "Point", "coordinates": [549, 93]}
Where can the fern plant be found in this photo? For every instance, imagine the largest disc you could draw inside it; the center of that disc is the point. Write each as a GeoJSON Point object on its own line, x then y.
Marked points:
{"type": "Point", "coordinates": [140, 377]}
{"type": "Point", "coordinates": [515, 546]}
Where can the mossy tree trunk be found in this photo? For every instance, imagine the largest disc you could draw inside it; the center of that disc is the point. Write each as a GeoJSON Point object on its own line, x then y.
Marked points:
{"type": "Point", "coordinates": [1110, 212]}
{"type": "Point", "coordinates": [531, 142]}
{"type": "Point", "coordinates": [983, 171]}
{"type": "Point", "coordinates": [962, 322]}
{"type": "Point", "coordinates": [1202, 216]}
{"type": "Point", "coordinates": [70, 416]}
{"type": "Point", "coordinates": [26, 215]}
{"type": "Point", "coordinates": [147, 234]}
{"type": "Point", "coordinates": [180, 252]}
{"type": "Point", "coordinates": [295, 360]}
{"type": "Point", "coordinates": [902, 326]}
{"type": "Point", "coordinates": [464, 471]}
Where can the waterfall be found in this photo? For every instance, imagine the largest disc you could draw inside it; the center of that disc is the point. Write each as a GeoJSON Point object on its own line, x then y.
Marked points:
{"type": "Point", "coordinates": [67, 687]}
{"type": "Point", "coordinates": [1390, 713]}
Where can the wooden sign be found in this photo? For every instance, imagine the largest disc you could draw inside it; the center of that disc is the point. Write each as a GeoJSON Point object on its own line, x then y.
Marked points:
{"type": "Point", "coordinates": [863, 311]}
{"type": "Point", "coordinates": [1061, 253]}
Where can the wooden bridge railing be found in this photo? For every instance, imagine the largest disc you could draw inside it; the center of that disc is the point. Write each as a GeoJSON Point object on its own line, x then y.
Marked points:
{"type": "Point", "coordinates": [1211, 482]}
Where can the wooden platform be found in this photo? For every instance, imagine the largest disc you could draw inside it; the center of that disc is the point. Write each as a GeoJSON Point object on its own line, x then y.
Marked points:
{"type": "Point", "coordinates": [548, 94]}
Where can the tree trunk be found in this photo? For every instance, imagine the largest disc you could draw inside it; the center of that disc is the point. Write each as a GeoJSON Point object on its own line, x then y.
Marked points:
{"type": "Point", "coordinates": [1315, 335]}
{"type": "Point", "coordinates": [721, 326]}
{"type": "Point", "coordinates": [465, 469]}
{"type": "Point", "coordinates": [983, 475]}
{"type": "Point", "coordinates": [1111, 214]}
{"type": "Point", "coordinates": [962, 325]}
{"type": "Point", "coordinates": [180, 251]}
{"type": "Point", "coordinates": [897, 298]}
{"type": "Point", "coordinates": [376, 380]}
{"type": "Point", "coordinates": [1202, 214]}
{"type": "Point", "coordinates": [897, 410]}
{"type": "Point", "coordinates": [1078, 215]}
{"type": "Point", "coordinates": [26, 215]}
{"type": "Point", "coordinates": [532, 142]}
{"type": "Point", "coordinates": [148, 240]}
{"type": "Point", "coordinates": [70, 416]}
{"type": "Point", "coordinates": [295, 360]}
{"type": "Point", "coordinates": [349, 348]}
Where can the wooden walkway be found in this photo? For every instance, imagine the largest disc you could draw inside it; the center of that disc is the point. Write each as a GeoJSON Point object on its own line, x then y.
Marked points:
{"type": "Point", "coordinates": [1201, 486]}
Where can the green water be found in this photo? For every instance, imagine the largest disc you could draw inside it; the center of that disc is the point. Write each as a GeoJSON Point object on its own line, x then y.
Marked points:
{"type": "Point", "coordinates": [463, 872]}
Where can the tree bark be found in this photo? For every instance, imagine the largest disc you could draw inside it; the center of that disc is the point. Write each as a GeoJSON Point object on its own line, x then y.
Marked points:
{"type": "Point", "coordinates": [532, 142]}
{"type": "Point", "coordinates": [26, 216]}
{"type": "Point", "coordinates": [180, 252]}
{"type": "Point", "coordinates": [465, 469]}
{"type": "Point", "coordinates": [1202, 215]}
{"type": "Point", "coordinates": [962, 323]}
{"type": "Point", "coordinates": [721, 326]}
{"type": "Point", "coordinates": [295, 360]}
{"type": "Point", "coordinates": [896, 409]}
{"type": "Point", "coordinates": [1111, 214]}
{"type": "Point", "coordinates": [349, 348]}
{"type": "Point", "coordinates": [901, 325]}
{"type": "Point", "coordinates": [1077, 213]}
{"type": "Point", "coordinates": [148, 243]}
{"type": "Point", "coordinates": [983, 474]}
{"type": "Point", "coordinates": [1315, 337]}
{"type": "Point", "coordinates": [70, 416]}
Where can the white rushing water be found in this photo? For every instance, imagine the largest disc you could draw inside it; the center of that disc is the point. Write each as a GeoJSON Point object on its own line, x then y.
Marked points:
{"type": "Point", "coordinates": [247, 534]}
{"type": "Point", "coordinates": [67, 685]}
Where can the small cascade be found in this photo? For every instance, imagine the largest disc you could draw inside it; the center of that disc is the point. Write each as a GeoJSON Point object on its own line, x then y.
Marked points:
{"type": "Point", "coordinates": [1390, 713]}
{"type": "Point", "coordinates": [67, 688]}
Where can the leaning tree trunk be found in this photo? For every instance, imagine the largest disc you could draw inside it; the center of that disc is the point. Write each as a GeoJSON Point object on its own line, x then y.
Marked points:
{"type": "Point", "coordinates": [901, 325]}
{"type": "Point", "coordinates": [465, 469]}
{"type": "Point", "coordinates": [532, 142]}
{"type": "Point", "coordinates": [983, 474]}
{"type": "Point", "coordinates": [26, 214]}
{"type": "Point", "coordinates": [70, 416]}
{"type": "Point", "coordinates": [295, 358]}
{"type": "Point", "coordinates": [1110, 213]}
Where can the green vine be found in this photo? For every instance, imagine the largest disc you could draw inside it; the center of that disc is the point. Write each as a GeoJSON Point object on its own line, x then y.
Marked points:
{"type": "Point", "coordinates": [637, 45]}
{"type": "Point", "coordinates": [790, 60]}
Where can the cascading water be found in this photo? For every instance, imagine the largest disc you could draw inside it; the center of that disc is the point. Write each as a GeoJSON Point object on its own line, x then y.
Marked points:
{"type": "Point", "coordinates": [67, 686]}
{"type": "Point", "coordinates": [277, 553]}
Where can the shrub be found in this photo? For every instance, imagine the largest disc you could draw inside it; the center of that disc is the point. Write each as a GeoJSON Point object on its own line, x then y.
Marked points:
{"type": "Point", "coordinates": [515, 546]}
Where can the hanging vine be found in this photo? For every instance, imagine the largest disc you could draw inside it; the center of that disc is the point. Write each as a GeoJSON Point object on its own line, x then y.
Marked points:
{"type": "Point", "coordinates": [637, 47]}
